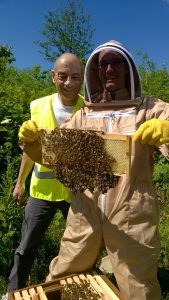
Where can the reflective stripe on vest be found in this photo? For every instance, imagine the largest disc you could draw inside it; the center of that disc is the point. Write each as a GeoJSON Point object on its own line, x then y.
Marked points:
{"type": "Point", "coordinates": [43, 175]}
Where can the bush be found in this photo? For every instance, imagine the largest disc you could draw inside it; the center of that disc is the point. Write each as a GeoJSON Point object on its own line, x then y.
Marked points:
{"type": "Point", "coordinates": [10, 218]}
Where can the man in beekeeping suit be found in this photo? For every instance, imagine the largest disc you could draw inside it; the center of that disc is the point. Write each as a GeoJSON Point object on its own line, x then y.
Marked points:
{"type": "Point", "coordinates": [126, 217]}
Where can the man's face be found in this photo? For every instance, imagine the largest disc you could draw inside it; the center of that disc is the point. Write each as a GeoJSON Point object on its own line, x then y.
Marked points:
{"type": "Point", "coordinates": [68, 79]}
{"type": "Point", "coordinates": [112, 71]}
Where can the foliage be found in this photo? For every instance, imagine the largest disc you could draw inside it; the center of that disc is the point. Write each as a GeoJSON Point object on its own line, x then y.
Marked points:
{"type": "Point", "coordinates": [17, 89]}
{"type": "Point", "coordinates": [161, 175]}
{"type": "Point", "coordinates": [67, 30]}
{"type": "Point", "coordinates": [154, 82]}
{"type": "Point", "coordinates": [6, 57]}
{"type": "Point", "coordinates": [163, 260]}
{"type": "Point", "coordinates": [10, 217]}
{"type": "Point", "coordinates": [161, 180]}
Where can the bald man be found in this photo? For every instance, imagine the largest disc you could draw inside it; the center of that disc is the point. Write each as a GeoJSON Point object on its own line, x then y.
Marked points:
{"type": "Point", "coordinates": [46, 193]}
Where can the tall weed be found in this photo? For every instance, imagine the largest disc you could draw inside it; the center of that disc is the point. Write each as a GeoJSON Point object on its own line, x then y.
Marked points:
{"type": "Point", "coordinates": [10, 217]}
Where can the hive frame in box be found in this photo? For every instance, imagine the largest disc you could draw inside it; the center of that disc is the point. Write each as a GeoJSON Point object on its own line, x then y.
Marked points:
{"type": "Point", "coordinates": [100, 283]}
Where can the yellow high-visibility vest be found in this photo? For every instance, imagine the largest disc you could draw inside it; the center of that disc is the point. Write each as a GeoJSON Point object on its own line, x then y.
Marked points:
{"type": "Point", "coordinates": [43, 184]}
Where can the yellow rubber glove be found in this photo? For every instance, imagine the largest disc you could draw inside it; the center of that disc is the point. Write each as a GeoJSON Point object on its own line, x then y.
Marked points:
{"type": "Point", "coordinates": [153, 132]}
{"type": "Point", "coordinates": [28, 132]}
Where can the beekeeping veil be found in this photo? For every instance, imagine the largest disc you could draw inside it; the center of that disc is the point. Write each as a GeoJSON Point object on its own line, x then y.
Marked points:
{"type": "Point", "coordinates": [92, 84]}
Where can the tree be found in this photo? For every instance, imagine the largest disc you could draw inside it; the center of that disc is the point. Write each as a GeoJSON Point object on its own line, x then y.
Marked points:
{"type": "Point", "coordinates": [17, 89]}
{"type": "Point", "coordinates": [67, 30]}
{"type": "Point", "coordinates": [154, 81]}
{"type": "Point", "coordinates": [6, 57]}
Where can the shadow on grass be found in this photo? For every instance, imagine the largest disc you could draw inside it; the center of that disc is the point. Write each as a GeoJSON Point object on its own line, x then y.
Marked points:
{"type": "Point", "coordinates": [163, 277]}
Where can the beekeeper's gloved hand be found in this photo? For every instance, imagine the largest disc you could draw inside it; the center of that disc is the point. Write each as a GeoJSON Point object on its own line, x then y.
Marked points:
{"type": "Point", "coordinates": [153, 132]}
{"type": "Point", "coordinates": [28, 132]}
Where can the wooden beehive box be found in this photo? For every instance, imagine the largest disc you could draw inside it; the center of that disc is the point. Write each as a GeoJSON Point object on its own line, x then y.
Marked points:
{"type": "Point", "coordinates": [88, 286]}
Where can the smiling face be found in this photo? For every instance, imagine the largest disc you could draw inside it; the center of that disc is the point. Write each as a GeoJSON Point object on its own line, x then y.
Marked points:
{"type": "Point", "coordinates": [68, 78]}
{"type": "Point", "coordinates": [112, 71]}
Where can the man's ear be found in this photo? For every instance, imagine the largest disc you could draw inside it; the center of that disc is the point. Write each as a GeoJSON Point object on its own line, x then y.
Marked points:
{"type": "Point", "coordinates": [53, 75]}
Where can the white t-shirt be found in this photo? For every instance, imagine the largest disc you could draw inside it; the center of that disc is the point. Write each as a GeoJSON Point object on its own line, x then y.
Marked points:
{"type": "Point", "coordinates": [61, 112]}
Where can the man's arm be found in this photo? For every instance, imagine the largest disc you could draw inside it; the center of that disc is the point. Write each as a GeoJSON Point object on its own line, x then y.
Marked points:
{"type": "Point", "coordinates": [25, 168]}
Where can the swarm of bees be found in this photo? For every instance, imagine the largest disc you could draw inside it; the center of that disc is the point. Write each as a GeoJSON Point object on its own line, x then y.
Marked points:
{"type": "Point", "coordinates": [82, 291]}
{"type": "Point", "coordinates": [79, 159]}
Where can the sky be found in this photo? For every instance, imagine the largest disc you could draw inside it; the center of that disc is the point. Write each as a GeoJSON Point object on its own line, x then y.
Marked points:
{"type": "Point", "coordinates": [137, 24]}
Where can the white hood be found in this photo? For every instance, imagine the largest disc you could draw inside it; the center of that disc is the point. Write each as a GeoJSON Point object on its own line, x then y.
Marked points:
{"type": "Point", "coordinates": [92, 83]}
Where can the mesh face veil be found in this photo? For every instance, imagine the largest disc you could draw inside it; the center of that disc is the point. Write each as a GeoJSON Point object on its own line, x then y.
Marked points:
{"type": "Point", "coordinates": [92, 83]}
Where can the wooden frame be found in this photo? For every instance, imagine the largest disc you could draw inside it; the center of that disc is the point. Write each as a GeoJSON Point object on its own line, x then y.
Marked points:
{"type": "Point", "coordinates": [48, 290]}
{"type": "Point", "coordinates": [127, 149]}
